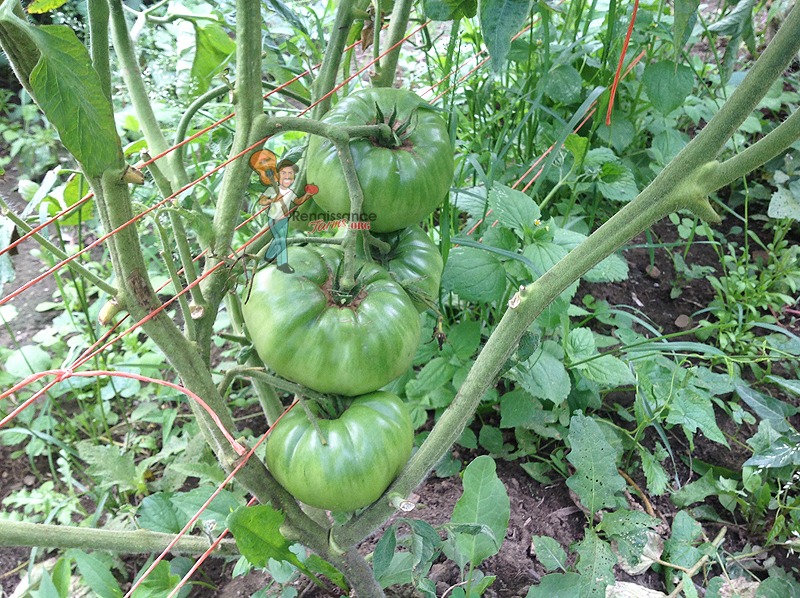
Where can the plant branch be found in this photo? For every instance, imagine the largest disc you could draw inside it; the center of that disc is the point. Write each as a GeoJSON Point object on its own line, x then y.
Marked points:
{"type": "Point", "coordinates": [761, 152]}
{"type": "Point", "coordinates": [387, 67]}
{"type": "Point", "coordinates": [129, 69]}
{"type": "Point", "coordinates": [98, 42]}
{"type": "Point", "coordinates": [19, 533]}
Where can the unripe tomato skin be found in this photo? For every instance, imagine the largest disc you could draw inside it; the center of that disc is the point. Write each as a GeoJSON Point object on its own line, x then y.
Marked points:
{"type": "Point", "coordinates": [366, 448]}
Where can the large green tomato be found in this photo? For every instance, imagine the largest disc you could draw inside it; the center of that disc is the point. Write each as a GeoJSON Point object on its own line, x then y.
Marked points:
{"type": "Point", "coordinates": [306, 330]}
{"type": "Point", "coordinates": [415, 262]}
{"type": "Point", "coordinates": [366, 447]}
{"type": "Point", "coordinates": [402, 184]}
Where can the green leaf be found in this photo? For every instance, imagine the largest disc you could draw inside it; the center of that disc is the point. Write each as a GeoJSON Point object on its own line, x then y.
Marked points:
{"type": "Point", "coordinates": [596, 480]}
{"type": "Point", "coordinates": [518, 409]}
{"type": "Point", "coordinates": [543, 375]}
{"type": "Point", "coordinates": [109, 467]}
{"type": "Point", "coordinates": [613, 268]}
{"type": "Point", "coordinates": [447, 10]}
{"type": "Point", "coordinates": [38, 7]}
{"type": "Point", "coordinates": [189, 503]}
{"type": "Point", "coordinates": [595, 564]}
{"type": "Point", "coordinates": [549, 552]}
{"type": "Point", "coordinates": [680, 549]}
{"type": "Point", "coordinates": [62, 576]}
{"type": "Point", "coordinates": [75, 189]}
{"type": "Point", "coordinates": [384, 553]}
{"type": "Point", "coordinates": [563, 84]}
{"type": "Point", "coordinates": [693, 409]}
{"type": "Point", "coordinates": [667, 84]}
{"type": "Point", "coordinates": [68, 90]}
{"type": "Point", "coordinates": [288, 14]}
{"type": "Point", "coordinates": [629, 531]}
{"type": "Point", "coordinates": [96, 575]}
{"type": "Point", "coordinates": [775, 411]}
{"type": "Point", "coordinates": [158, 583]}
{"type": "Point", "coordinates": [513, 209]}
{"type": "Point", "coordinates": [500, 21]}
{"type": "Point", "coordinates": [557, 585]}
{"type": "Point", "coordinates": [258, 536]}
{"type": "Point", "coordinates": [474, 275]}
{"type": "Point", "coordinates": [484, 502]}
{"type": "Point", "coordinates": [785, 451]}
{"type": "Point", "coordinates": [577, 146]}
{"type": "Point", "coordinates": [685, 18]}
{"type": "Point", "coordinates": [464, 338]}
{"type": "Point", "coordinates": [657, 478]}
{"type": "Point", "coordinates": [27, 360]}
{"type": "Point", "coordinates": [157, 513]}
{"type": "Point", "coordinates": [47, 588]}
{"type": "Point", "coordinates": [213, 50]}
{"type": "Point", "coordinates": [696, 491]}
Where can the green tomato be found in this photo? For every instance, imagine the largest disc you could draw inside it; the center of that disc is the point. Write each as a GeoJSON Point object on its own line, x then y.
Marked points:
{"type": "Point", "coordinates": [402, 184]}
{"type": "Point", "coordinates": [308, 331]}
{"type": "Point", "coordinates": [366, 447]}
{"type": "Point", "coordinates": [415, 262]}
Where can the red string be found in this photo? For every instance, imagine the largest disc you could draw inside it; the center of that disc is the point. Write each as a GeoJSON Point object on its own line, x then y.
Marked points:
{"type": "Point", "coordinates": [621, 62]}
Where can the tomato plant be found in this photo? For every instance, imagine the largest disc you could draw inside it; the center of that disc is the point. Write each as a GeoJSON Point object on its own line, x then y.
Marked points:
{"type": "Point", "coordinates": [415, 262]}
{"type": "Point", "coordinates": [308, 330]}
{"type": "Point", "coordinates": [362, 452]}
{"type": "Point", "coordinates": [403, 181]}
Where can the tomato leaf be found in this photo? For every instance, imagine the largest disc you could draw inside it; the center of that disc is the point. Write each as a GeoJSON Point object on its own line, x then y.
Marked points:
{"type": "Point", "coordinates": [258, 536]}
{"type": "Point", "coordinates": [68, 90]}
{"type": "Point", "coordinates": [159, 582]}
{"type": "Point", "coordinates": [213, 51]}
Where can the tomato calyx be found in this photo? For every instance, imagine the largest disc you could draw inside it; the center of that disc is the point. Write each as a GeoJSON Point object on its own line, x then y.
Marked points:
{"type": "Point", "coordinates": [401, 130]}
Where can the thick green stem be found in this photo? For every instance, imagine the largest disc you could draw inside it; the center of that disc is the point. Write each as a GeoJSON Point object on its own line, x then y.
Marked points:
{"type": "Point", "coordinates": [19, 533]}
{"type": "Point", "coordinates": [684, 184]}
{"type": "Point", "coordinates": [326, 79]}
{"type": "Point", "coordinates": [387, 67]}
{"type": "Point", "coordinates": [129, 69]}
{"type": "Point", "coordinates": [169, 262]}
{"type": "Point", "coordinates": [98, 42]}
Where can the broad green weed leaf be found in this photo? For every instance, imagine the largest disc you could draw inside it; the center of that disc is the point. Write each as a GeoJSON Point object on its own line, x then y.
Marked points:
{"type": "Point", "coordinates": [667, 84]}
{"type": "Point", "coordinates": [157, 513]}
{"type": "Point", "coordinates": [484, 502]}
{"type": "Point", "coordinates": [549, 552]}
{"type": "Point", "coordinates": [696, 491]}
{"type": "Point", "coordinates": [595, 564]}
{"type": "Point", "coordinates": [596, 480]}
{"type": "Point", "coordinates": [383, 554]}
{"type": "Point", "coordinates": [680, 548]}
{"type": "Point", "coordinates": [630, 533]}
{"type": "Point", "coordinates": [518, 409]}
{"type": "Point", "coordinates": [158, 583]}
{"type": "Point", "coordinates": [27, 360]}
{"type": "Point", "coordinates": [513, 209]}
{"type": "Point", "coordinates": [474, 275]}
{"type": "Point", "coordinates": [655, 474]}
{"type": "Point", "coordinates": [768, 408]}
{"type": "Point", "coordinates": [500, 21]}
{"type": "Point", "coordinates": [685, 18]}
{"type": "Point", "coordinates": [557, 585]}
{"type": "Point", "coordinates": [543, 374]}
{"type": "Point", "coordinates": [47, 588]}
{"type": "Point", "coordinates": [68, 90]}
{"type": "Point", "coordinates": [257, 533]}
{"type": "Point", "coordinates": [464, 338]}
{"type": "Point", "coordinates": [692, 409]}
{"type": "Point", "coordinates": [785, 451]}
{"type": "Point", "coordinates": [74, 190]}
{"type": "Point", "coordinates": [188, 503]}
{"type": "Point", "coordinates": [62, 576]}
{"type": "Point", "coordinates": [447, 10]}
{"type": "Point", "coordinates": [792, 386]}
{"type": "Point", "coordinates": [97, 575]}
{"type": "Point", "coordinates": [563, 84]}
{"type": "Point", "coordinates": [213, 49]}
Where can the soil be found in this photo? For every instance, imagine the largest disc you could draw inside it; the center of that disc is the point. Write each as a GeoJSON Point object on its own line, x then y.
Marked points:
{"type": "Point", "coordinates": [536, 509]}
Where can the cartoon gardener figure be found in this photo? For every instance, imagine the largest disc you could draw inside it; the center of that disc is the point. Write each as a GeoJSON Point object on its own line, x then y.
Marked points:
{"type": "Point", "coordinates": [280, 177]}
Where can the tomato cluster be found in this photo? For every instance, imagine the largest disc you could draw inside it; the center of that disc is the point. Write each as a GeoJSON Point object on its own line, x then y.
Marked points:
{"type": "Point", "coordinates": [348, 343]}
